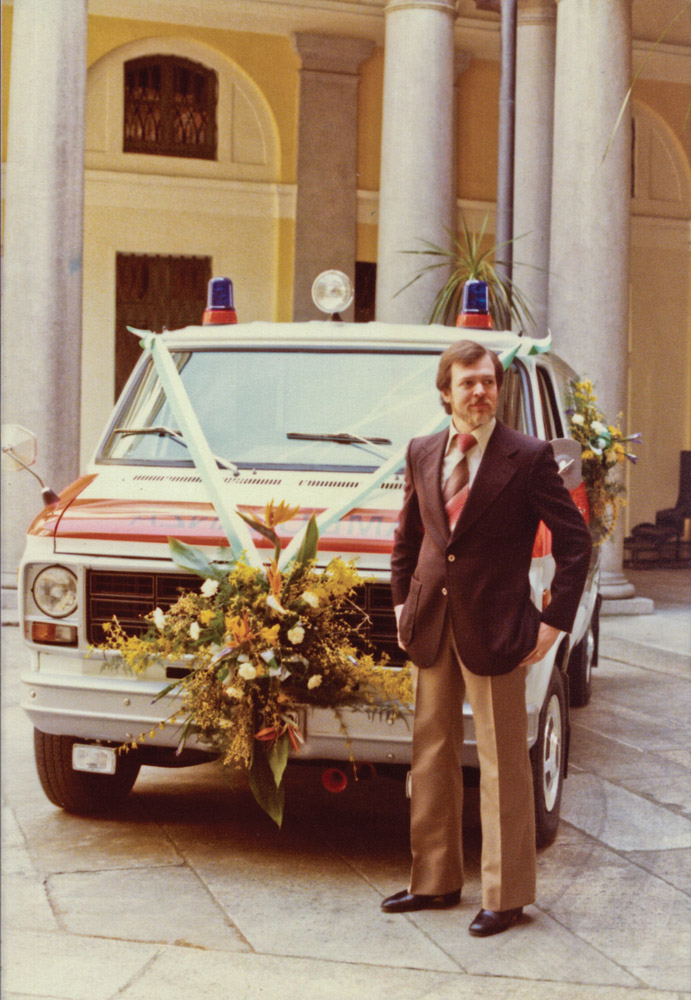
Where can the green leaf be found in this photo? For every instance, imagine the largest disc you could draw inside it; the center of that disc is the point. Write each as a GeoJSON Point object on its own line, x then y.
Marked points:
{"type": "Point", "coordinates": [263, 530]}
{"type": "Point", "coordinates": [278, 758]}
{"type": "Point", "coordinates": [187, 557]}
{"type": "Point", "coordinates": [268, 795]}
{"type": "Point", "coordinates": [310, 543]}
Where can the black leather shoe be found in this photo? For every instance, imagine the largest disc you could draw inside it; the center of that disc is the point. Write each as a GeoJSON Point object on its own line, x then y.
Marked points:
{"type": "Point", "coordinates": [493, 921]}
{"type": "Point", "coordinates": [406, 902]}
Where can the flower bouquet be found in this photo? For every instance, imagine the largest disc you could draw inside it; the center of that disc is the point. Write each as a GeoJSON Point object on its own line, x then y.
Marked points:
{"type": "Point", "coordinates": [604, 450]}
{"type": "Point", "coordinates": [259, 644]}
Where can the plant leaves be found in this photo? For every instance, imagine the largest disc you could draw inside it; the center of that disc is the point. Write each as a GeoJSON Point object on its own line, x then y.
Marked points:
{"type": "Point", "coordinates": [310, 543]}
{"type": "Point", "coordinates": [263, 530]}
{"type": "Point", "coordinates": [468, 262]}
{"type": "Point", "coordinates": [268, 795]}
{"type": "Point", "coordinates": [278, 757]}
{"type": "Point", "coordinates": [189, 558]}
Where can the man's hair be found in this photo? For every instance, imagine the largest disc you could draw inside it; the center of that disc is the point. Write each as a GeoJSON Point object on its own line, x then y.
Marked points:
{"type": "Point", "coordinates": [465, 352]}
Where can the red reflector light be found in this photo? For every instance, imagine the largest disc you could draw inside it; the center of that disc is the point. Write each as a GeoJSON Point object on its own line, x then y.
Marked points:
{"type": "Point", "coordinates": [54, 633]}
{"type": "Point", "coordinates": [475, 321]}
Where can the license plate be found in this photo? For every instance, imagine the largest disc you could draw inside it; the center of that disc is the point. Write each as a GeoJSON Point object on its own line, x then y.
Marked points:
{"type": "Point", "coordinates": [99, 760]}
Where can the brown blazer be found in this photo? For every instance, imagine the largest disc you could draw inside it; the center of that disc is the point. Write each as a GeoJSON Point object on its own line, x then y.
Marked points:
{"type": "Point", "coordinates": [480, 572]}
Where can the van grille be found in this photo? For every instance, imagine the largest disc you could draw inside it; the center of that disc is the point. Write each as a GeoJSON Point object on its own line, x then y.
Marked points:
{"type": "Point", "coordinates": [130, 596]}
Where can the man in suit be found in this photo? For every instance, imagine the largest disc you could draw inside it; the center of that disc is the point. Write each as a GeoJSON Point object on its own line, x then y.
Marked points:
{"type": "Point", "coordinates": [475, 495]}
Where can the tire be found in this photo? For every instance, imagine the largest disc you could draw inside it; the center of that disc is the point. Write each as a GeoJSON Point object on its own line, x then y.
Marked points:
{"type": "Point", "coordinates": [79, 791]}
{"type": "Point", "coordinates": [547, 759]}
{"type": "Point", "coordinates": [580, 666]}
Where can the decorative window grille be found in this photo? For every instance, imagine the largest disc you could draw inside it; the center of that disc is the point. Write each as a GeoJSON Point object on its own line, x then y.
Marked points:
{"type": "Point", "coordinates": [170, 107]}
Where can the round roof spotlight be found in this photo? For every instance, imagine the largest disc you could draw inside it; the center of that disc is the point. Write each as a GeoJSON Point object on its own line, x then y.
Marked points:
{"type": "Point", "coordinates": [332, 292]}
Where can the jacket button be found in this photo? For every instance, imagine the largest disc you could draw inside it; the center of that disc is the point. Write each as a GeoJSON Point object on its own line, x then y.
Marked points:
{"type": "Point", "coordinates": [444, 591]}
{"type": "Point", "coordinates": [452, 558]}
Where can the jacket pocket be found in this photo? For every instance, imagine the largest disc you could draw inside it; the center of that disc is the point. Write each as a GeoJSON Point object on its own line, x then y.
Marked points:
{"type": "Point", "coordinates": [407, 623]}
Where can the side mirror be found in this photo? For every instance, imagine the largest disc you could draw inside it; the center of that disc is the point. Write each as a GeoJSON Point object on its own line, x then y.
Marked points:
{"type": "Point", "coordinates": [19, 452]}
{"type": "Point", "coordinates": [18, 448]}
{"type": "Point", "coordinates": [567, 453]}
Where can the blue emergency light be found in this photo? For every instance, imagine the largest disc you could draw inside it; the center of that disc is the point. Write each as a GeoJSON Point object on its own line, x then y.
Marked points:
{"type": "Point", "coordinates": [475, 306]}
{"type": "Point", "coordinates": [219, 303]}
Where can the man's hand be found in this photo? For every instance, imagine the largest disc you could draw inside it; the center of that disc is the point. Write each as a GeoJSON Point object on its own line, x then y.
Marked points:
{"type": "Point", "coordinates": [398, 610]}
{"type": "Point", "coordinates": [546, 637]}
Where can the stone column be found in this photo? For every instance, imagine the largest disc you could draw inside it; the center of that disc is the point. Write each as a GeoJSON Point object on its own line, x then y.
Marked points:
{"type": "Point", "coordinates": [42, 255]}
{"type": "Point", "coordinates": [591, 195]}
{"type": "Point", "coordinates": [326, 207]}
{"type": "Point", "coordinates": [416, 196]}
{"type": "Point", "coordinates": [535, 48]}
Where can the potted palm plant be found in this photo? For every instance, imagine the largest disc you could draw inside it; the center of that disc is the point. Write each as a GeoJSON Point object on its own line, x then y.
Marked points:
{"type": "Point", "coordinates": [469, 262]}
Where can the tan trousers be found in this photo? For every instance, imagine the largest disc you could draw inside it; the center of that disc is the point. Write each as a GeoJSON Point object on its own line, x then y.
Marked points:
{"type": "Point", "coordinates": [506, 788]}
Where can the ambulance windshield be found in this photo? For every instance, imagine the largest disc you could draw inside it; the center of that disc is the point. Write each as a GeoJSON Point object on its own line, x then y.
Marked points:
{"type": "Point", "coordinates": [328, 410]}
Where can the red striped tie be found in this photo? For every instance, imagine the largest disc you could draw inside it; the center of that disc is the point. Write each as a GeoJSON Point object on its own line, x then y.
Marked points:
{"type": "Point", "coordinates": [456, 488]}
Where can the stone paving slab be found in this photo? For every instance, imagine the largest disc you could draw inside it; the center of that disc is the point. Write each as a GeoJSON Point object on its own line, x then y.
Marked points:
{"type": "Point", "coordinates": [537, 941]}
{"type": "Point", "coordinates": [252, 977]}
{"type": "Point", "coordinates": [639, 922]}
{"type": "Point", "coordinates": [673, 867]}
{"type": "Point", "coordinates": [164, 905]}
{"type": "Point", "coordinates": [70, 968]}
{"type": "Point", "coordinates": [660, 779]}
{"type": "Point", "coordinates": [620, 818]}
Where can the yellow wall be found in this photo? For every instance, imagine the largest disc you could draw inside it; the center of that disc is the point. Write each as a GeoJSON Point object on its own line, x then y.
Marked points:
{"type": "Point", "coordinates": [477, 131]}
{"type": "Point", "coordinates": [659, 382]}
{"type": "Point", "coordinates": [268, 59]}
{"type": "Point", "coordinates": [370, 91]}
{"type": "Point", "coordinates": [671, 101]}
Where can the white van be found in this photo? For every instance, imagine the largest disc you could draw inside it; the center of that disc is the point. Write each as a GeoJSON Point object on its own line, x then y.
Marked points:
{"type": "Point", "coordinates": [299, 412]}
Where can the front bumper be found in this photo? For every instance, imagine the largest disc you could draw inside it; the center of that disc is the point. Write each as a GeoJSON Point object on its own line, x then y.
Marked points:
{"type": "Point", "coordinates": [122, 709]}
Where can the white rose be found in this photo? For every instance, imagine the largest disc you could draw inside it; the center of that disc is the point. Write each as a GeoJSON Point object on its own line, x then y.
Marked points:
{"type": "Point", "coordinates": [314, 681]}
{"type": "Point", "coordinates": [247, 672]}
{"type": "Point", "coordinates": [296, 635]}
{"type": "Point", "coordinates": [598, 427]}
{"type": "Point", "coordinates": [234, 693]}
{"type": "Point", "coordinates": [194, 631]}
{"type": "Point", "coordinates": [310, 598]}
{"type": "Point", "coordinates": [578, 418]}
{"type": "Point", "coordinates": [159, 619]}
{"type": "Point", "coordinates": [209, 588]}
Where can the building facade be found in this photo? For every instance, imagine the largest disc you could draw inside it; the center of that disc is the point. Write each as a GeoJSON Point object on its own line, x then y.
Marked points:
{"type": "Point", "coordinates": [148, 145]}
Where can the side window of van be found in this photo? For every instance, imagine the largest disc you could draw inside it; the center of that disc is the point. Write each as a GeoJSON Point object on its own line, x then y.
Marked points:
{"type": "Point", "coordinates": [515, 401]}
{"type": "Point", "coordinates": [549, 405]}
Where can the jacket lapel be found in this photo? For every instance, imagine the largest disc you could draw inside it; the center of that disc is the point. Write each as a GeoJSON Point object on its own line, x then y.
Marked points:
{"type": "Point", "coordinates": [429, 465]}
{"type": "Point", "coordinates": [497, 469]}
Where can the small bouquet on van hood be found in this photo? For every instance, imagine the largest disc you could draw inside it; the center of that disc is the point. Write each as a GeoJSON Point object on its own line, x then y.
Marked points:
{"type": "Point", "coordinates": [604, 450]}
{"type": "Point", "coordinates": [260, 643]}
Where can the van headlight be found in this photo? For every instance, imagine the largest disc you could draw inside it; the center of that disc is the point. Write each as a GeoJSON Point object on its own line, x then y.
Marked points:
{"type": "Point", "coordinates": [55, 591]}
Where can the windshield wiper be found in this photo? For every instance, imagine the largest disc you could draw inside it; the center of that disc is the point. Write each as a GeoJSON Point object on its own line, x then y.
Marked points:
{"type": "Point", "coordinates": [341, 438]}
{"type": "Point", "coordinates": [174, 435]}
{"type": "Point", "coordinates": [344, 437]}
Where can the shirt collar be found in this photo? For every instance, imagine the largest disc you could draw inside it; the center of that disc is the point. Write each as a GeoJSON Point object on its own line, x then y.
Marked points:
{"type": "Point", "coordinates": [481, 434]}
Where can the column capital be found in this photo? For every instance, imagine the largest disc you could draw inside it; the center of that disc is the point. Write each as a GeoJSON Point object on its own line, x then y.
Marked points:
{"type": "Point", "coordinates": [444, 6]}
{"type": "Point", "coordinates": [331, 53]}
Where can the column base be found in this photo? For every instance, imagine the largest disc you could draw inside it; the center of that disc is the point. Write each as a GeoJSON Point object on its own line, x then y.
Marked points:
{"type": "Point", "coordinates": [619, 596]}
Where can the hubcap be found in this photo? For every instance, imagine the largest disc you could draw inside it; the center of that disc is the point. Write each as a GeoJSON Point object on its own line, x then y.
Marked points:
{"type": "Point", "coordinates": [589, 654]}
{"type": "Point", "coordinates": [551, 753]}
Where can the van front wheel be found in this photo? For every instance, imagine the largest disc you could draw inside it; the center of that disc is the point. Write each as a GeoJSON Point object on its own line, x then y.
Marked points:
{"type": "Point", "coordinates": [547, 758]}
{"type": "Point", "coordinates": [79, 791]}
